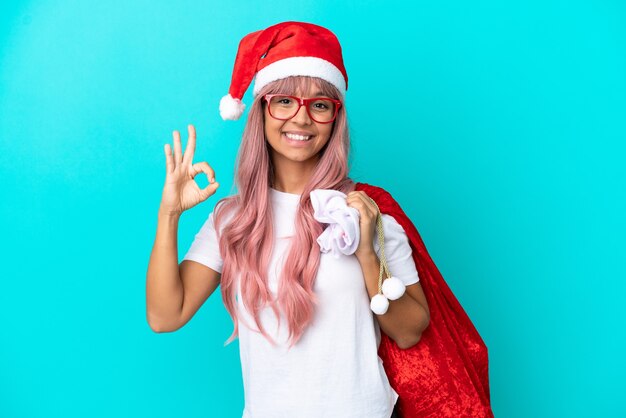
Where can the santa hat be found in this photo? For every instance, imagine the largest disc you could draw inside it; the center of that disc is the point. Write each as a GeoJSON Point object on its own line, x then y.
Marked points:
{"type": "Point", "coordinates": [283, 50]}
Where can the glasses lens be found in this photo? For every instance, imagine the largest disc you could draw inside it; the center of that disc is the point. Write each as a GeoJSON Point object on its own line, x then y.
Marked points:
{"type": "Point", "coordinates": [285, 107]}
{"type": "Point", "coordinates": [322, 110]}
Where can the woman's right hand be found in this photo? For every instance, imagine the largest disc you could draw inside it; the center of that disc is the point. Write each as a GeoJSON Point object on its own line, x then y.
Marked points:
{"type": "Point", "coordinates": [181, 191]}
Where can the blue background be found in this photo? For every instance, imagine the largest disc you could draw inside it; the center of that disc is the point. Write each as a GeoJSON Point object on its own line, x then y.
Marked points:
{"type": "Point", "coordinates": [498, 126]}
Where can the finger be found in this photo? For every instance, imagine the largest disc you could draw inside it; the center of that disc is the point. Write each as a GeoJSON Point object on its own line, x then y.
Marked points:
{"type": "Point", "coordinates": [190, 149]}
{"type": "Point", "coordinates": [362, 202]}
{"type": "Point", "coordinates": [178, 156]}
{"type": "Point", "coordinates": [371, 204]}
{"type": "Point", "coordinates": [205, 168]}
{"type": "Point", "coordinates": [169, 159]}
{"type": "Point", "coordinates": [357, 197]}
{"type": "Point", "coordinates": [357, 204]}
{"type": "Point", "coordinates": [368, 201]}
{"type": "Point", "coordinates": [209, 190]}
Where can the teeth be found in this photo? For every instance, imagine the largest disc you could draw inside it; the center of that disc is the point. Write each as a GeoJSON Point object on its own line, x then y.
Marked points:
{"type": "Point", "coordinates": [297, 137]}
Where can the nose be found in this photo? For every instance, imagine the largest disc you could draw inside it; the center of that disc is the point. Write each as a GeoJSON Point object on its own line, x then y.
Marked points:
{"type": "Point", "coordinates": [302, 116]}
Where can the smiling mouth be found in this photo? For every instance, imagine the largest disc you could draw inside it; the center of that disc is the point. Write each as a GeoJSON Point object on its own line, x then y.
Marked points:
{"type": "Point", "coordinates": [295, 137]}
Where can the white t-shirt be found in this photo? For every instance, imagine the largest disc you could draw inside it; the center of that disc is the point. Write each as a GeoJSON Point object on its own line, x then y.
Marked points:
{"type": "Point", "coordinates": [334, 369]}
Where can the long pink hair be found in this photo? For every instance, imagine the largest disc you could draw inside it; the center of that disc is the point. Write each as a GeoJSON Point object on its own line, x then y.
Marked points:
{"type": "Point", "coordinates": [246, 241]}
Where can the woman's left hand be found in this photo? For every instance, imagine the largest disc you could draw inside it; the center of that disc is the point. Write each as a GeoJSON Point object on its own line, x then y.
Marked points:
{"type": "Point", "coordinates": [368, 214]}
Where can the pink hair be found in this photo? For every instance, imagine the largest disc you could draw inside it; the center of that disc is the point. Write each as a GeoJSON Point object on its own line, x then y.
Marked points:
{"type": "Point", "coordinates": [246, 241]}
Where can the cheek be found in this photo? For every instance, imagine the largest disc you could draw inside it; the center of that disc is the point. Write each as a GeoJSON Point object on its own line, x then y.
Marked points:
{"type": "Point", "coordinates": [270, 127]}
{"type": "Point", "coordinates": [326, 132]}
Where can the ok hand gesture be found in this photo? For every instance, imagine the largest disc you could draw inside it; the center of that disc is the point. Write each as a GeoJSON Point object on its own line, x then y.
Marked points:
{"type": "Point", "coordinates": [181, 191]}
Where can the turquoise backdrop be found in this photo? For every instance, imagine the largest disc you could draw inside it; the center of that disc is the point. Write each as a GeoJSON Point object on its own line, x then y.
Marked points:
{"type": "Point", "coordinates": [498, 126]}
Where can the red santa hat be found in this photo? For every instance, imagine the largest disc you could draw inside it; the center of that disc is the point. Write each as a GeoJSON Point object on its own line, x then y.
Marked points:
{"type": "Point", "coordinates": [283, 50]}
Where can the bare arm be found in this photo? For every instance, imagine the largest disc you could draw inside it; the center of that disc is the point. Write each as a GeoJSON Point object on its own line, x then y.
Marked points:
{"type": "Point", "coordinates": [408, 316]}
{"type": "Point", "coordinates": [164, 288]}
{"type": "Point", "coordinates": [174, 293]}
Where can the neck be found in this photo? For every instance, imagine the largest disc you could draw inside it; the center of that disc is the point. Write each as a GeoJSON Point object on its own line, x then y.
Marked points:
{"type": "Point", "coordinates": [292, 176]}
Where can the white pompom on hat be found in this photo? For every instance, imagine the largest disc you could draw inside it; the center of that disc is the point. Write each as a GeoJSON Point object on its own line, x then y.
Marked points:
{"type": "Point", "coordinates": [231, 108]}
{"type": "Point", "coordinates": [283, 50]}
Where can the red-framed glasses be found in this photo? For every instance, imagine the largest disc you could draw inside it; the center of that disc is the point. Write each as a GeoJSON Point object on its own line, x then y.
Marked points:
{"type": "Point", "coordinates": [320, 109]}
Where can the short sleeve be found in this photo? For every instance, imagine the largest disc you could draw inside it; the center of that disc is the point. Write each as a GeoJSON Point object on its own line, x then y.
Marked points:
{"type": "Point", "coordinates": [398, 251]}
{"type": "Point", "coordinates": [205, 247]}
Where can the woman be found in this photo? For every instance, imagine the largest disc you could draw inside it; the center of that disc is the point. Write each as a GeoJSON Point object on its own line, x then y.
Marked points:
{"type": "Point", "coordinates": [308, 339]}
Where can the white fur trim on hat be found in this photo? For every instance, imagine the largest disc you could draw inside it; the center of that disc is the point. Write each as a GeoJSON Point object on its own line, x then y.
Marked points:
{"type": "Point", "coordinates": [308, 66]}
{"type": "Point", "coordinates": [231, 108]}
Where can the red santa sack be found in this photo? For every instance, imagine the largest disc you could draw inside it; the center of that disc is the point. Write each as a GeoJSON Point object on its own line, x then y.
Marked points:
{"type": "Point", "coordinates": [446, 373]}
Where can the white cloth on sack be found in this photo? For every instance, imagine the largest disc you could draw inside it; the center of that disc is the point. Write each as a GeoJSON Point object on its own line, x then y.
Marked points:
{"type": "Point", "coordinates": [342, 234]}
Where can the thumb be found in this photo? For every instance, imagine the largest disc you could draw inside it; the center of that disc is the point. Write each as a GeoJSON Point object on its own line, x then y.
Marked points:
{"type": "Point", "coordinates": [209, 190]}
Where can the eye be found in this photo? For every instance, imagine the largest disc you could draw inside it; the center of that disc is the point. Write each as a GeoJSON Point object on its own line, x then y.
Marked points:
{"type": "Point", "coordinates": [283, 100]}
{"type": "Point", "coordinates": [322, 105]}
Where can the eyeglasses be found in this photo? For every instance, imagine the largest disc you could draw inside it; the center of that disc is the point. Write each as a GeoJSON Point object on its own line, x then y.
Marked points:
{"type": "Point", "coordinates": [320, 109]}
